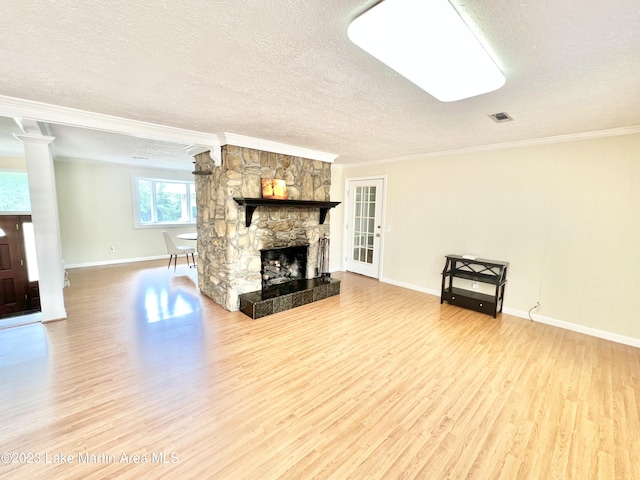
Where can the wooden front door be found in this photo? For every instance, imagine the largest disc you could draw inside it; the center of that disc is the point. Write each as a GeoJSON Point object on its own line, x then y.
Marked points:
{"type": "Point", "coordinates": [17, 293]}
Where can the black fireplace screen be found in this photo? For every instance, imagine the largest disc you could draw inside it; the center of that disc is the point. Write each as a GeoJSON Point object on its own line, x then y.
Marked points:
{"type": "Point", "coordinates": [280, 265]}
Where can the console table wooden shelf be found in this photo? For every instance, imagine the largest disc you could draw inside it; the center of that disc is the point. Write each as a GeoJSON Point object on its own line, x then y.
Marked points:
{"type": "Point", "coordinates": [491, 272]}
{"type": "Point", "coordinates": [253, 203]}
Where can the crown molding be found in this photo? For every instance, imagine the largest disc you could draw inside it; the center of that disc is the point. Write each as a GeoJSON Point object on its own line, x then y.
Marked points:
{"type": "Point", "coordinates": [572, 137]}
{"type": "Point", "coordinates": [276, 147]}
{"type": "Point", "coordinates": [128, 164]}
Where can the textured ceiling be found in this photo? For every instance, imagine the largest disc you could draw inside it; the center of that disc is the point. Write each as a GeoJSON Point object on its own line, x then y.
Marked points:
{"type": "Point", "coordinates": [284, 70]}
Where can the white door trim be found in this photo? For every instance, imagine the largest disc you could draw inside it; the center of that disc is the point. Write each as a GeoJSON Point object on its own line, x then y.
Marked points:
{"type": "Point", "coordinates": [346, 244]}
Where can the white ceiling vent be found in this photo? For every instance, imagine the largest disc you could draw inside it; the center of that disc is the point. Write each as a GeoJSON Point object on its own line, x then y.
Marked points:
{"type": "Point", "coordinates": [500, 117]}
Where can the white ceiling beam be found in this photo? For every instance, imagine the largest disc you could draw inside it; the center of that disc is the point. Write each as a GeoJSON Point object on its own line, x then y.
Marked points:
{"type": "Point", "coordinates": [276, 147]}
{"type": "Point", "coordinates": [30, 113]}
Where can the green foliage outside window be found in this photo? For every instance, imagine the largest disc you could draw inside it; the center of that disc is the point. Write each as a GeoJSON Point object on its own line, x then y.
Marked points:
{"type": "Point", "coordinates": [169, 202]}
{"type": "Point", "coordinates": [144, 200]}
{"type": "Point", "coordinates": [163, 201]}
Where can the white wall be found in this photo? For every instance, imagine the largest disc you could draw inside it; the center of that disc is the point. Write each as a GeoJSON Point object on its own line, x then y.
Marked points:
{"type": "Point", "coordinates": [566, 216]}
{"type": "Point", "coordinates": [95, 203]}
{"type": "Point", "coordinates": [13, 164]}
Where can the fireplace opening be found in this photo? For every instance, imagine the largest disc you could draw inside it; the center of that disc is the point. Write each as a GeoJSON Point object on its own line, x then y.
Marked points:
{"type": "Point", "coordinates": [281, 265]}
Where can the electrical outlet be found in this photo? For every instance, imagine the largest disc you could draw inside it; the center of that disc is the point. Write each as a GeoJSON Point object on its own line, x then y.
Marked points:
{"type": "Point", "coordinates": [474, 285]}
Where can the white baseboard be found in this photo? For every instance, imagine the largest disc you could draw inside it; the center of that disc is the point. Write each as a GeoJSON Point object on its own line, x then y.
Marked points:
{"type": "Point", "coordinates": [410, 286]}
{"type": "Point", "coordinates": [593, 332]}
{"type": "Point", "coordinates": [116, 262]}
{"type": "Point", "coordinates": [574, 327]}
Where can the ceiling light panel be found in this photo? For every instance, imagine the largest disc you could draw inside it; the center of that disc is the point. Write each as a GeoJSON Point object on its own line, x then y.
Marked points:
{"type": "Point", "coordinates": [428, 43]}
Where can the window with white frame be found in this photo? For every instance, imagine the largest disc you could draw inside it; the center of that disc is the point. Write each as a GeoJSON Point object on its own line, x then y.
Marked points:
{"type": "Point", "coordinates": [163, 202]}
{"type": "Point", "coordinates": [14, 192]}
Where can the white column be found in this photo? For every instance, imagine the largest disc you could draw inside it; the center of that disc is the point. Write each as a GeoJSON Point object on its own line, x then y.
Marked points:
{"type": "Point", "coordinates": [44, 212]}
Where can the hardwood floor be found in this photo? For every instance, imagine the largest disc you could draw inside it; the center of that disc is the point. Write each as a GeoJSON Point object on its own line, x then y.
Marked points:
{"type": "Point", "coordinates": [376, 383]}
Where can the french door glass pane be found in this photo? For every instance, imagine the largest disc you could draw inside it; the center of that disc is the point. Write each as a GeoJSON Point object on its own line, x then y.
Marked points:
{"type": "Point", "coordinates": [364, 223]}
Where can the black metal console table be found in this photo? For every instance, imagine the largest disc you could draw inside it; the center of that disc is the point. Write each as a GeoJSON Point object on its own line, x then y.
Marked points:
{"type": "Point", "coordinates": [490, 272]}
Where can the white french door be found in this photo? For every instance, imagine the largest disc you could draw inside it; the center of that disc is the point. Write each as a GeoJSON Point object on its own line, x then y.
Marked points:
{"type": "Point", "coordinates": [364, 226]}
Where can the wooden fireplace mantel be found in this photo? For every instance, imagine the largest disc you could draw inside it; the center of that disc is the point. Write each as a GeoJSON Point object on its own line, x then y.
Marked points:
{"type": "Point", "coordinates": [252, 203]}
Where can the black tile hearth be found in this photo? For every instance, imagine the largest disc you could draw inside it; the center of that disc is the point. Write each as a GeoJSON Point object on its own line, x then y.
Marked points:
{"type": "Point", "coordinates": [279, 298]}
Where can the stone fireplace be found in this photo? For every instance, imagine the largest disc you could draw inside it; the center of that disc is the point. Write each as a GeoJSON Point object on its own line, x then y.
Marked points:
{"type": "Point", "coordinates": [230, 252]}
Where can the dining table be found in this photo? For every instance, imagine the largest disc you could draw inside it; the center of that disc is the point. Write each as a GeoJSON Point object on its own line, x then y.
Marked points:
{"type": "Point", "coordinates": [188, 236]}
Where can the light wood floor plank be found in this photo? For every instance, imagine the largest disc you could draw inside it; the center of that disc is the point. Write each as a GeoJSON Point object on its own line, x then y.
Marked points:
{"type": "Point", "coordinates": [379, 382]}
